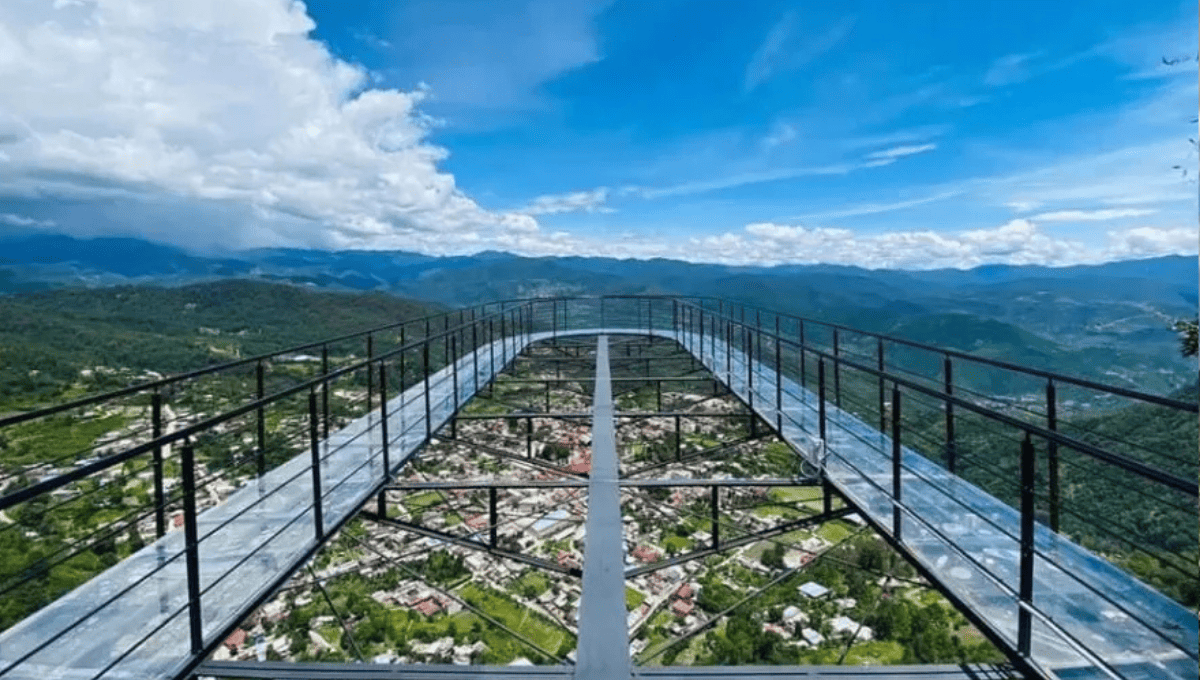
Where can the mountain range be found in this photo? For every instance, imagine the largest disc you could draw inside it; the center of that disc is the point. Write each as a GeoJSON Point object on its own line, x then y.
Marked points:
{"type": "Point", "coordinates": [1109, 321]}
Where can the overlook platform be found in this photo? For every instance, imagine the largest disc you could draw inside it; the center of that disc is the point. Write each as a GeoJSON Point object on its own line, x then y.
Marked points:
{"type": "Point", "coordinates": [1059, 610]}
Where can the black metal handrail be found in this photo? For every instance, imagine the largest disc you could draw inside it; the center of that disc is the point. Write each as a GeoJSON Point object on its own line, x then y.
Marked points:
{"type": "Point", "coordinates": [518, 319]}
{"type": "Point", "coordinates": [89, 469]}
{"type": "Point", "coordinates": [1128, 464]}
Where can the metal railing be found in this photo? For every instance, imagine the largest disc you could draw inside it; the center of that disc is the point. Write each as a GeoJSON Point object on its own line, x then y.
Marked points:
{"type": "Point", "coordinates": [195, 437]}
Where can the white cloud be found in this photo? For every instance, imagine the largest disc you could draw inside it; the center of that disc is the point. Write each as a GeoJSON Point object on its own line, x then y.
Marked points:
{"type": "Point", "coordinates": [1092, 215]}
{"type": "Point", "coordinates": [738, 180]}
{"type": "Point", "coordinates": [228, 103]}
{"type": "Point", "coordinates": [23, 221]}
{"type": "Point", "coordinates": [490, 56]}
{"type": "Point", "coordinates": [1008, 70]}
{"type": "Point", "coordinates": [877, 208]}
{"type": "Point", "coordinates": [901, 151]}
{"type": "Point", "coordinates": [580, 201]}
{"type": "Point", "coordinates": [781, 134]}
{"type": "Point", "coordinates": [1139, 174]}
{"type": "Point", "coordinates": [1150, 241]}
{"type": "Point", "coordinates": [778, 51]}
{"type": "Point", "coordinates": [1018, 242]}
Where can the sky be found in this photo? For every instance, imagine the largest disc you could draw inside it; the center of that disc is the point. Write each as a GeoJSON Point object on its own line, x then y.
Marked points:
{"type": "Point", "coordinates": [914, 135]}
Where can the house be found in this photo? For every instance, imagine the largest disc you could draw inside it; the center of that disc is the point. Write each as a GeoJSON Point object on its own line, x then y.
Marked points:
{"type": "Point", "coordinates": [235, 640]}
{"type": "Point", "coordinates": [428, 606]}
{"type": "Point", "coordinates": [812, 637]}
{"type": "Point", "coordinates": [777, 629]}
{"type": "Point", "coordinates": [843, 625]}
{"type": "Point", "coordinates": [682, 608]}
{"type": "Point", "coordinates": [645, 553]}
{"type": "Point", "coordinates": [813, 589]}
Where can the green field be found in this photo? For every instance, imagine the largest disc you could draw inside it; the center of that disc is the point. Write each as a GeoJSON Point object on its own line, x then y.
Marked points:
{"type": "Point", "coordinates": [542, 632]}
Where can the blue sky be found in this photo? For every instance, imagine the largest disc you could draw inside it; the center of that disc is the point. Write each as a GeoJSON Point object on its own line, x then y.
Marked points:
{"type": "Point", "coordinates": [881, 134]}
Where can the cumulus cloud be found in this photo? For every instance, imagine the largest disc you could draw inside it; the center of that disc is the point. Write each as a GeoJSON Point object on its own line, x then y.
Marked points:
{"type": "Point", "coordinates": [1151, 241]}
{"type": "Point", "coordinates": [580, 201]}
{"type": "Point", "coordinates": [1018, 242]}
{"type": "Point", "coordinates": [234, 104]}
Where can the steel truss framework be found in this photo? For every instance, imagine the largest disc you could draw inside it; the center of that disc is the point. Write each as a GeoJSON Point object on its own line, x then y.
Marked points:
{"type": "Point", "coordinates": [787, 383]}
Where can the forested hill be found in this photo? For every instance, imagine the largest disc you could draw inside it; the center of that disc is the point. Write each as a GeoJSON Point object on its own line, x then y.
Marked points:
{"type": "Point", "coordinates": [47, 338]}
{"type": "Point", "coordinates": [1109, 322]}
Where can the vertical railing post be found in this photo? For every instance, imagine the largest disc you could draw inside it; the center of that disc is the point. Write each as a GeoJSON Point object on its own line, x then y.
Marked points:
{"type": "Point", "coordinates": [821, 396]}
{"type": "Point", "coordinates": [474, 353]}
{"type": "Point", "coordinates": [837, 371]}
{"type": "Point", "coordinates": [778, 380]}
{"type": "Point", "coordinates": [748, 350]}
{"type": "Point", "coordinates": [712, 341]}
{"type": "Point", "coordinates": [428, 408]}
{"type": "Point", "coordinates": [493, 518]}
{"type": "Point", "coordinates": [315, 448]}
{"type": "Point", "coordinates": [650, 317]}
{"type": "Point", "coordinates": [951, 453]}
{"type": "Point", "coordinates": [370, 375]}
{"type": "Point", "coordinates": [383, 419]}
{"type": "Point", "coordinates": [658, 395]}
{"type": "Point", "coordinates": [529, 437]}
{"type": "Point", "coordinates": [716, 517]}
{"type": "Point", "coordinates": [1024, 620]}
{"type": "Point", "coordinates": [554, 319]}
{"type": "Point", "coordinates": [491, 353]}
{"type": "Point", "coordinates": [261, 418]}
{"type": "Point", "coordinates": [678, 438]}
{"type": "Point", "coordinates": [454, 370]}
{"type": "Point", "coordinates": [160, 499]}
{"type": "Point", "coordinates": [700, 331]}
{"type": "Point", "coordinates": [1052, 453]}
{"type": "Point", "coordinates": [191, 547]}
{"type": "Point", "coordinates": [879, 366]}
{"type": "Point", "coordinates": [325, 387]}
{"type": "Point", "coordinates": [803, 368]}
{"type": "Point", "coordinates": [896, 468]}
{"type": "Point", "coordinates": [729, 354]}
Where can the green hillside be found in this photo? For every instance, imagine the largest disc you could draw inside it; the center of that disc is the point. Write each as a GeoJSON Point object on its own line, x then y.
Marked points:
{"type": "Point", "coordinates": [47, 338]}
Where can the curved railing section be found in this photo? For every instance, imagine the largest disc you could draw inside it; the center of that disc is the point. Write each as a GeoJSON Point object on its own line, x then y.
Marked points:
{"type": "Point", "coordinates": [181, 489]}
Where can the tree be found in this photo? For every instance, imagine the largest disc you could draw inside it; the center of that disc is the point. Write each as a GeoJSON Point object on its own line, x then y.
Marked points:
{"type": "Point", "coordinates": [1187, 330]}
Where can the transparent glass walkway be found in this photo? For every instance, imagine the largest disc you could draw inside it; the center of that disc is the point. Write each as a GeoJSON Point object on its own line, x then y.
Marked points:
{"type": "Point", "coordinates": [1091, 620]}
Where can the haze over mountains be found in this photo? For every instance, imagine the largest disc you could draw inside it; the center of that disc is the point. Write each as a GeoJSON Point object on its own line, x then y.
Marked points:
{"type": "Point", "coordinates": [1109, 321]}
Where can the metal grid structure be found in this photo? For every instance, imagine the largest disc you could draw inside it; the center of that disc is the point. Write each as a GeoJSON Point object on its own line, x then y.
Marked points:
{"type": "Point", "coordinates": [1055, 608]}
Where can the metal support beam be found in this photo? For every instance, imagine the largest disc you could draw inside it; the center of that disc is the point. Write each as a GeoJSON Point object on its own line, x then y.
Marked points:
{"type": "Point", "coordinates": [1024, 618]}
{"type": "Point", "coordinates": [603, 651]}
{"type": "Point", "coordinates": [476, 545]}
{"type": "Point", "coordinates": [730, 544]}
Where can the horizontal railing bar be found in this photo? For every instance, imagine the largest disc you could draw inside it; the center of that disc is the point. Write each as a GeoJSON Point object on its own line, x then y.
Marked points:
{"type": "Point", "coordinates": [1037, 372]}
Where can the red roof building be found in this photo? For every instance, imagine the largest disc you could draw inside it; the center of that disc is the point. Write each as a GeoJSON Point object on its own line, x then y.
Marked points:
{"type": "Point", "coordinates": [645, 553]}
{"type": "Point", "coordinates": [566, 559]}
{"type": "Point", "coordinates": [427, 606]}
{"type": "Point", "coordinates": [685, 592]}
{"type": "Point", "coordinates": [681, 608]}
{"type": "Point", "coordinates": [477, 522]}
{"type": "Point", "coordinates": [235, 640]}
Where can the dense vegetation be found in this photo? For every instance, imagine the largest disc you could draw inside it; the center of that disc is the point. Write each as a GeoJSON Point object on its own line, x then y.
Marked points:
{"type": "Point", "coordinates": [47, 338]}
